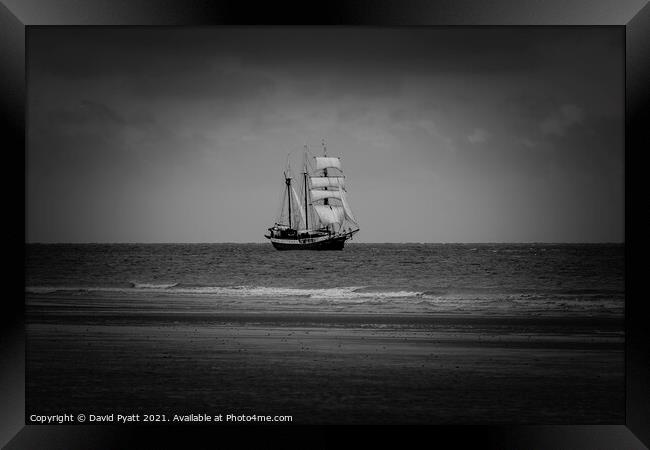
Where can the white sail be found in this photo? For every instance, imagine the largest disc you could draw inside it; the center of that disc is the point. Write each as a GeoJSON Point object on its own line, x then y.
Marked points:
{"type": "Point", "coordinates": [321, 182]}
{"type": "Point", "coordinates": [320, 195]}
{"type": "Point", "coordinates": [330, 214]}
{"type": "Point", "coordinates": [298, 204]}
{"type": "Point", "coordinates": [323, 162]}
{"type": "Point", "coordinates": [346, 206]}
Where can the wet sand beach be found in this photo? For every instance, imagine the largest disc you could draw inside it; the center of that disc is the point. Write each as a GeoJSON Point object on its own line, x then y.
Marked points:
{"type": "Point", "coordinates": [324, 367]}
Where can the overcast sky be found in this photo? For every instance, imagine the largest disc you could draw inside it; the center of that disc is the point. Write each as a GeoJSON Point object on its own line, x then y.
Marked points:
{"type": "Point", "coordinates": [445, 134]}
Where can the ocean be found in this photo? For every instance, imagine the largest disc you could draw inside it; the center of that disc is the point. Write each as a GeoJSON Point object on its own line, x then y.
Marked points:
{"type": "Point", "coordinates": [376, 333]}
{"type": "Point", "coordinates": [585, 280]}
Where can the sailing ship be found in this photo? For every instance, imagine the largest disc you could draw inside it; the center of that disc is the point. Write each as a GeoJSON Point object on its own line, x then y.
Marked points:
{"type": "Point", "coordinates": [319, 217]}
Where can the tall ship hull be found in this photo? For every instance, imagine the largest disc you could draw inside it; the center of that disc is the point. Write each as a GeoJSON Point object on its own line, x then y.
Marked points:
{"type": "Point", "coordinates": [333, 242]}
{"type": "Point", "coordinates": [319, 217]}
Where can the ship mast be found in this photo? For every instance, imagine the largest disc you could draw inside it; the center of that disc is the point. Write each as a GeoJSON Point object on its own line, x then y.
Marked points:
{"type": "Point", "coordinates": [326, 200]}
{"type": "Point", "coordinates": [288, 181]}
{"type": "Point", "coordinates": [306, 210]}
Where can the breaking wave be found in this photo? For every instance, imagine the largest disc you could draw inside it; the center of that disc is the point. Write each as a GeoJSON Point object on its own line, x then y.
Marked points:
{"type": "Point", "coordinates": [351, 292]}
{"type": "Point", "coordinates": [152, 285]}
{"type": "Point", "coordinates": [363, 298]}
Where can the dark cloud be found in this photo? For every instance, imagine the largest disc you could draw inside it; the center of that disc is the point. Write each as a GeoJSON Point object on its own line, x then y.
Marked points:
{"type": "Point", "coordinates": [170, 125]}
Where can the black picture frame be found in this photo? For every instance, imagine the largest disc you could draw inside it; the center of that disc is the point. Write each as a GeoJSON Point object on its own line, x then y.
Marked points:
{"type": "Point", "coordinates": [17, 15]}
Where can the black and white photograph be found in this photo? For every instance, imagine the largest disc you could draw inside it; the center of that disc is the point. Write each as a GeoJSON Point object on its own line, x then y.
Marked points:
{"type": "Point", "coordinates": [325, 225]}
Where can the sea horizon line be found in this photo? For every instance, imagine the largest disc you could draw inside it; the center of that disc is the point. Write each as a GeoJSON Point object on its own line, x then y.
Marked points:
{"type": "Point", "coordinates": [348, 243]}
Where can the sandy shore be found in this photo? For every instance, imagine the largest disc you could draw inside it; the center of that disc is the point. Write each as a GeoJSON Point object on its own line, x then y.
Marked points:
{"type": "Point", "coordinates": [327, 368]}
